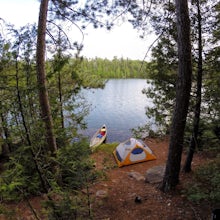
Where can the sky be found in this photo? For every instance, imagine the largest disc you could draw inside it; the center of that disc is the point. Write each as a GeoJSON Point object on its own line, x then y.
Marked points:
{"type": "Point", "coordinates": [121, 41]}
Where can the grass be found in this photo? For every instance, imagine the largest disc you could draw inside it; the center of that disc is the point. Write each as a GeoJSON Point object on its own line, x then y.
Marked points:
{"type": "Point", "coordinates": [107, 148]}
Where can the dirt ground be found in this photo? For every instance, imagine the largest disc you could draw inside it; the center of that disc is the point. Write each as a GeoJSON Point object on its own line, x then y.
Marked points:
{"type": "Point", "coordinates": [119, 196]}
{"type": "Point", "coordinates": [122, 190]}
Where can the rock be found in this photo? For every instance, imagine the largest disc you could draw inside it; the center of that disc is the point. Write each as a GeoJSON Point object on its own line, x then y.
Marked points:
{"type": "Point", "coordinates": [155, 174]}
{"type": "Point", "coordinates": [136, 175]}
{"type": "Point", "coordinates": [138, 199]}
{"type": "Point", "coordinates": [102, 194]}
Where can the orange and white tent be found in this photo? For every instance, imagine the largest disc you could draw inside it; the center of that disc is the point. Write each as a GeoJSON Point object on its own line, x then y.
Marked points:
{"type": "Point", "coordinates": [132, 151]}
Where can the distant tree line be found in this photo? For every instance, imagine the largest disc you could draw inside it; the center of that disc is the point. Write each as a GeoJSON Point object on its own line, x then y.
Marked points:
{"type": "Point", "coordinates": [116, 68]}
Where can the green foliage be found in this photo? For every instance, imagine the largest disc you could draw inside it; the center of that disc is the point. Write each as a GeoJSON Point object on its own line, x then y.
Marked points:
{"type": "Point", "coordinates": [162, 74]}
{"type": "Point", "coordinates": [75, 165]}
{"type": "Point", "coordinates": [148, 131]}
{"type": "Point", "coordinates": [107, 148]}
{"type": "Point", "coordinates": [68, 205]}
{"type": "Point", "coordinates": [91, 80]}
{"type": "Point", "coordinates": [206, 183]}
{"type": "Point", "coordinates": [75, 172]}
{"type": "Point", "coordinates": [163, 68]}
{"type": "Point", "coordinates": [93, 70]}
{"type": "Point", "coordinates": [7, 212]}
{"type": "Point", "coordinates": [19, 178]}
{"type": "Point", "coordinates": [64, 176]}
{"type": "Point", "coordinates": [208, 134]}
{"type": "Point", "coordinates": [30, 170]}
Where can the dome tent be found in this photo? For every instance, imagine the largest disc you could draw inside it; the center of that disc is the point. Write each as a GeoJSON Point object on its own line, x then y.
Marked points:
{"type": "Point", "coordinates": [132, 151]}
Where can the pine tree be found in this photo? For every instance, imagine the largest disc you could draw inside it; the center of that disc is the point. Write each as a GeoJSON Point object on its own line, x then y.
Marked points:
{"type": "Point", "coordinates": [171, 176]}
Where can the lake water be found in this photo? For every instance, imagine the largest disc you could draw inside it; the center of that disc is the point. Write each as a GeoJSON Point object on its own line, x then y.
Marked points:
{"type": "Point", "coordinates": [120, 106]}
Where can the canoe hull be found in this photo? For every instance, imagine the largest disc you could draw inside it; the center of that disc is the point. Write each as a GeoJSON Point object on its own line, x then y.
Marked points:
{"type": "Point", "coordinates": [97, 139]}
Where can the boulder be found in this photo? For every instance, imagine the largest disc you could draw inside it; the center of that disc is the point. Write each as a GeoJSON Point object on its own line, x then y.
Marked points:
{"type": "Point", "coordinates": [135, 175]}
{"type": "Point", "coordinates": [155, 174]}
{"type": "Point", "coordinates": [102, 194]}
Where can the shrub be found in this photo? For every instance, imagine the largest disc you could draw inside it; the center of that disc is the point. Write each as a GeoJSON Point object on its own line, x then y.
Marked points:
{"type": "Point", "coordinates": [19, 178]}
{"type": "Point", "coordinates": [68, 205]}
{"type": "Point", "coordinates": [206, 184]}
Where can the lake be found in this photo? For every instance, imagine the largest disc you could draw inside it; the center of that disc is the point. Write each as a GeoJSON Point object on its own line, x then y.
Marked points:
{"type": "Point", "coordinates": [120, 106]}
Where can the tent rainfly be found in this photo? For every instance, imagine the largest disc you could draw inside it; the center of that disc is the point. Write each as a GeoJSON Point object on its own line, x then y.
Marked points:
{"type": "Point", "coordinates": [132, 151]}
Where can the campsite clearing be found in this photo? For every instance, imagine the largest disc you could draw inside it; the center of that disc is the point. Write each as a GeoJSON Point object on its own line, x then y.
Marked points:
{"type": "Point", "coordinates": [128, 198]}
{"type": "Point", "coordinates": [124, 195]}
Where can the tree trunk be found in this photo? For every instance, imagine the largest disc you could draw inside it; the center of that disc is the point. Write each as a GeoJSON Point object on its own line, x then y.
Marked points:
{"type": "Point", "coordinates": [41, 75]}
{"type": "Point", "coordinates": [60, 87]}
{"type": "Point", "coordinates": [194, 137]}
{"type": "Point", "coordinates": [61, 100]}
{"type": "Point", "coordinates": [20, 106]}
{"type": "Point", "coordinates": [7, 146]}
{"type": "Point", "coordinates": [4, 147]}
{"type": "Point", "coordinates": [171, 176]}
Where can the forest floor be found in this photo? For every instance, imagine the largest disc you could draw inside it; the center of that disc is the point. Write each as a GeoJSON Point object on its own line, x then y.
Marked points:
{"type": "Point", "coordinates": [114, 196]}
{"type": "Point", "coordinates": [122, 190]}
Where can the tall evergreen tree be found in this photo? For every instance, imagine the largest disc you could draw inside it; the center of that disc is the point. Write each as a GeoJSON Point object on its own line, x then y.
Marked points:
{"type": "Point", "coordinates": [197, 108]}
{"type": "Point", "coordinates": [41, 76]}
{"type": "Point", "coordinates": [171, 176]}
{"type": "Point", "coordinates": [58, 10]}
{"type": "Point", "coordinates": [211, 82]}
{"type": "Point", "coordinates": [4, 96]}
